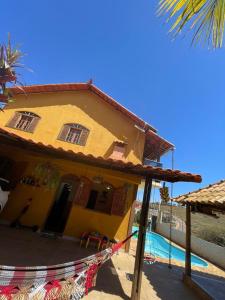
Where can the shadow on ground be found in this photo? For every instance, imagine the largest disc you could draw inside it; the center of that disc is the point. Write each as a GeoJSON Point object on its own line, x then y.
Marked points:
{"type": "Point", "coordinates": [106, 276]}
{"type": "Point", "coordinates": [164, 281]}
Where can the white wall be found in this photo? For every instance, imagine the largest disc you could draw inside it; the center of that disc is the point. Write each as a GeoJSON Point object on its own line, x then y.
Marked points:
{"type": "Point", "coordinates": [209, 251]}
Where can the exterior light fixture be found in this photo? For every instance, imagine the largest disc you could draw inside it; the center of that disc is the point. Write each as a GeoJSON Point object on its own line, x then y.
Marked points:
{"type": "Point", "coordinates": [97, 179]}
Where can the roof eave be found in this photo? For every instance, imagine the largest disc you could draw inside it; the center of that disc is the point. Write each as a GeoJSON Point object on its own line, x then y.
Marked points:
{"type": "Point", "coordinates": [116, 165]}
{"type": "Point", "coordinates": [66, 87]}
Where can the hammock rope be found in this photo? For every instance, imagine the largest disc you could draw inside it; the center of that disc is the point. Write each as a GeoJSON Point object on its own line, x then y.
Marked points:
{"type": "Point", "coordinates": [71, 280]}
{"type": "Point", "coordinates": [171, 215]}
{"type": "Point", "coordinates": [150, 257]}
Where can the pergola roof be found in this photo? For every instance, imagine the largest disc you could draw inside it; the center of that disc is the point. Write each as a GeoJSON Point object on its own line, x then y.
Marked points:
{"type": "Point", "coordinates": [156, 146]}
{"type": "Point", "coordinates": [12, 139]}
{"type": "Point", "coordinates": [211, 195]}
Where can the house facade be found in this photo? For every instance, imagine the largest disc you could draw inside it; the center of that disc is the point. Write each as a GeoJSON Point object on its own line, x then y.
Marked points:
{"type": "Point", "coordinates": [69, 197]}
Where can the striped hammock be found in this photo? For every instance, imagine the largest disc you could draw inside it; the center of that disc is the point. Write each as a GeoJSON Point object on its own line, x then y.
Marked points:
{"type": "Point", "coordinates": [70, 280]}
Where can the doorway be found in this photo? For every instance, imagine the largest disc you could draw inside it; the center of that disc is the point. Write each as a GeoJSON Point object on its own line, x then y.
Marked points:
{"type": "Point", "coordinates": [60, 210]}
{"type": "Point", "coordinates": [92, 199]}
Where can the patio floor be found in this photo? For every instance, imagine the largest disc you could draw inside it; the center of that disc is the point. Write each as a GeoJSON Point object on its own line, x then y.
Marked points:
{"type": "Point", "coordinates": [23, 247]}
{"type": "Point", "coordinates": [114, 280]}
{"type": "Point", "coordinates": [215, 287]}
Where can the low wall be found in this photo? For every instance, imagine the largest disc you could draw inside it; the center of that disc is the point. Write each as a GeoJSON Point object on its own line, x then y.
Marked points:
{"type": "Point", "coordinates": [209, 251]}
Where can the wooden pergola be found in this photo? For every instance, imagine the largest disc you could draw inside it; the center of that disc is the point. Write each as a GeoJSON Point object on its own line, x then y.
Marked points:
{"type": "Point", "coordinates": [147, 173]}
{"type": "Point", "coordinates": [208, 200]}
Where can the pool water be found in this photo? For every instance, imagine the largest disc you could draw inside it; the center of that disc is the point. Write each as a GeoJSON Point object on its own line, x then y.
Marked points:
{"type": "Point", "coordinates": [158, 246]}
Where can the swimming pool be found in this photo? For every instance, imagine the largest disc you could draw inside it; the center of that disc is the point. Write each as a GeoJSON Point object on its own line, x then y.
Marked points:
{"type": "Point", "coordinates": [159, 246]}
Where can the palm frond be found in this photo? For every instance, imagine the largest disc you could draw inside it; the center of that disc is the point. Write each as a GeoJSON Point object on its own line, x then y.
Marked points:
{"type": "Point", "coordinates": [205, 17]}
{"type": "Point", "coordinates": [9, 57]}
{"type": "Point", "coordinates": [9, 63]}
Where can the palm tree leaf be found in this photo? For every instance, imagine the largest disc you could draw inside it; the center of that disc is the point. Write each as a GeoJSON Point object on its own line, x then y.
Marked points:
{"type": "Point", "coordinates": [207, 18]}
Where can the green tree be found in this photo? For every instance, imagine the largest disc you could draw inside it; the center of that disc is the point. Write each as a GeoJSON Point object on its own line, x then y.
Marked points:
{"type": "Point", "coordinates": [205, 17]}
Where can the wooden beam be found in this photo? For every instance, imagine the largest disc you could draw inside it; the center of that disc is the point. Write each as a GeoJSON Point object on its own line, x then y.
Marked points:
{"type": "Point", "coordinates": [131, 219]}
{"type": "Point", "coordinates": [188, 241]}
{"type": "Point", "coordinates": [136, 287]}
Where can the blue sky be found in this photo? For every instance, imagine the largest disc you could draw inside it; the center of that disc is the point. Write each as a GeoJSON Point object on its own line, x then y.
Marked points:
{"type": "Point", "coordinates": [126, 50]}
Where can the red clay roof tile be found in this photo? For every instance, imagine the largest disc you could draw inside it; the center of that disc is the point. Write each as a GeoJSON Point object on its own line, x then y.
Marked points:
{"type": "Point", "coordinates": [151, 137]}
{"type": "Point", "coordinates": [213, 194]}
{"type": "Point", "coordinates": [117, 165]}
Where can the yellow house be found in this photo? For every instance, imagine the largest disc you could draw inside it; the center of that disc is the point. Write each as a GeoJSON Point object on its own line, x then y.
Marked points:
{"type": "Point", "coordinates": [56, 123]}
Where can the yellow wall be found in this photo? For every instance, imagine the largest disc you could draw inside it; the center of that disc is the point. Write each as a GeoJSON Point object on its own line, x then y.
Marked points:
{"type": "Point", "coordinates": [80, 219]}
{"type": "Point", "coordinates": [55, 109]}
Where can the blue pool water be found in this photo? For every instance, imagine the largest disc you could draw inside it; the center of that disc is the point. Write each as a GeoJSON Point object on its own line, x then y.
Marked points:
{"type": "Point", "coordinates": [159, 247]}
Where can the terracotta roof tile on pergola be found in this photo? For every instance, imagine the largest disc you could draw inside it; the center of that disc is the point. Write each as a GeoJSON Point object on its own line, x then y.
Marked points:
{"type": "Point", "coordinates": [207, 200]}
{"type": "Point", "coordinates": [155, 145]}
{"type": "Point", "coordinates": [212, 195]}
{"type": "Point", "coordinates": [9, 138]}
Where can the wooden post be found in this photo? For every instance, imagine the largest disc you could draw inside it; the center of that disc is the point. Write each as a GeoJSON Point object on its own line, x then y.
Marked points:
{"type": "Point", "coordinates": [188, 241]}
{"type": "Point", "coordinates": [136, 287]}
{"type": "Point", "coordinates": [131, 220]}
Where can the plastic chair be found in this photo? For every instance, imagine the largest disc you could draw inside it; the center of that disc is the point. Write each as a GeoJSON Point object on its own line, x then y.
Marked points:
{"type": "Point", "coordinates": [84, 238]}
{"type": "Point", "coordinates": [104, 242]}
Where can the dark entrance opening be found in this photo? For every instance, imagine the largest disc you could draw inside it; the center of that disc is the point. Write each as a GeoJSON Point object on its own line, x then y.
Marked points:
{"type": "Point", "coordinates": [59, 213]}
{"type": "Point", "coordinates": [92, 199]}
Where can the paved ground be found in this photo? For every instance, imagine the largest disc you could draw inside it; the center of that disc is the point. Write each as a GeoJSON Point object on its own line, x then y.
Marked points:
{"type": "Point", "coordinates": [158, 282]}
{"type": "Point", "coordinates": [212, 278]}
{"type": "Point", "coordinates": [214, 286]}
{"type": "Point", "coordinates": [114, 281]}
{"type": "Point", "coordinates": [22, 247]}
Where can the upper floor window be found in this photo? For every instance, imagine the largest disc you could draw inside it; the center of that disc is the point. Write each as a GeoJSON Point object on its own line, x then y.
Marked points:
{"type": "Point", "coordinates": [74, 133]}
{"type": "Point", "coordinates": [24, 120]}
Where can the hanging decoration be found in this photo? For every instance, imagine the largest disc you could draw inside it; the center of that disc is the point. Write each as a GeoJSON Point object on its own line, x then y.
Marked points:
{"type": "Point", "coordinates": [47, 175]}
{"type": "Point", "coordinates": [30, 180]}
{"type": "Point", "coordinates": [164, 194]}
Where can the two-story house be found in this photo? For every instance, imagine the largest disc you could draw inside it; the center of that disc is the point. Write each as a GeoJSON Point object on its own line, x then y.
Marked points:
{"type": "Point", "coordinates": [70, 196]}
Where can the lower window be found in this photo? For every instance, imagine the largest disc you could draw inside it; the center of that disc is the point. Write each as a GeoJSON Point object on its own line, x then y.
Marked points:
{"type": "Point", "coordinates": [100, 198]}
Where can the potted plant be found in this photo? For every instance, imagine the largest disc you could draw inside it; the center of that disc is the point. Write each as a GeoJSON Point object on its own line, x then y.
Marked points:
{"type": "Point", "coordinates": [9, 62]}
